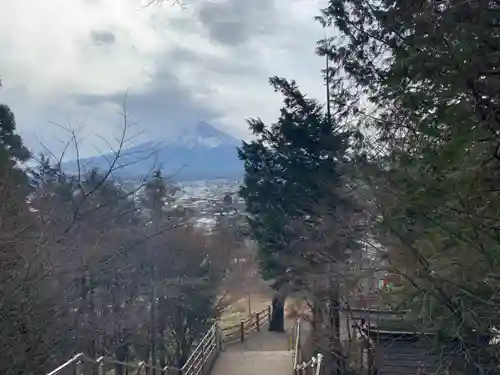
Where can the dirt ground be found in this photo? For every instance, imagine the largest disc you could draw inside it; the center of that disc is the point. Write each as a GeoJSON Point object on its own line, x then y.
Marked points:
{"type": "Point", "coordinates": [243, 300]}
{"type": "Point", "coordinates": [254, 297]}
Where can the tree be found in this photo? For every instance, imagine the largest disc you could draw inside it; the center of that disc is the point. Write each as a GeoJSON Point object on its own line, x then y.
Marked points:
{"type": "Point", "coordinates": [430, 71]}
{"type": "Point", "coordinates": [182, 277]}
{"type": "Point", "coordinates": [12, 150]}
{"type": "Point", "coordinates": [12, 154]}
{"type": "Point", "coordinates": [289, 171]}
{"type": "Point", "coordinates": [75, 276]}
{"type": "Point", "coordinates": [189, 283]}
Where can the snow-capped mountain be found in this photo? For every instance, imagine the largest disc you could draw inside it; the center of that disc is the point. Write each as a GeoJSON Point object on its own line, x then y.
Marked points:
{"type": "Point", "coordinates": [203, 135]}
{"type": "Point", "coordinates": [198, 153]}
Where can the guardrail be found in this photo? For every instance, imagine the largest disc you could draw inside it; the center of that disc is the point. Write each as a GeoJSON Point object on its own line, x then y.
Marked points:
{"type": "Point", "coordinates": [311, 367]}
{"type": "Point", "coordinates": [297, 350]}
{"type": "Point", "coordinates": [255, 322]}
{"type": "Point", "coordinates": [80, 364]}
{"type": "Point", "coordinates": [300, 367]}
{"type": "Point", "coordinates": [200, 361]}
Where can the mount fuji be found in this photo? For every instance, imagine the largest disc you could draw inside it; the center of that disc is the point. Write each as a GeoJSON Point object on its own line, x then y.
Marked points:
{"type": "Point", "coordinates": [197, 153]}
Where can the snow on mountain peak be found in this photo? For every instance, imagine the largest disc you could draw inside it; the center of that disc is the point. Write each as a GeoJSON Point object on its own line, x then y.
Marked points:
{"type": "Point", "coordinates": [203, 135]}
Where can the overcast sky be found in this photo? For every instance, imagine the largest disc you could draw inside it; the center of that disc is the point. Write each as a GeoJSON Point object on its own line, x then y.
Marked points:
{"type": "Point", "coordinates": [71, 61]}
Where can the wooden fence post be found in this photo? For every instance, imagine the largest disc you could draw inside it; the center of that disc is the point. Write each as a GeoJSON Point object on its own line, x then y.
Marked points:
{"type": "Point", "coordinates": [257, 322]}
{"type": "Point", "coordinates": [269, 314]}
{"type": "Point", "coordinates": [242, 331]}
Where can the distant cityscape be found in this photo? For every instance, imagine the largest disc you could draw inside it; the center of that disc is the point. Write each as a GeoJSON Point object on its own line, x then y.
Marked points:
{"type": "Point", "coordinates": [206, 200]}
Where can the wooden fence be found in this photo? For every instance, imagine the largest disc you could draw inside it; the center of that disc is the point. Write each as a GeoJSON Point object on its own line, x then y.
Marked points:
{"type": "Point", "coordinates": [255, 322]}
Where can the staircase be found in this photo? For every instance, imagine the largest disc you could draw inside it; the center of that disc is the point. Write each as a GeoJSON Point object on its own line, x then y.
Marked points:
{"type": "Point", "coordinates": [261, 352]}
{"type": "Point", "coordinates": [247, 348]}
{"type": "Point", "coordinates": [276, 362]}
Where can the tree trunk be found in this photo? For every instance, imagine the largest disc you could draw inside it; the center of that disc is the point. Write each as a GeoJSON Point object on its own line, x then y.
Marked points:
{"type": "Point", "coordinates": [162, 350]}
{"type": "Point", "coordinates": [153, 327]}
{"type": "Point", "coordinates": [153, 305]}
{"type": "Point", "coordinates": [334, 318]}
{"type": "Point", "coordinates": [277, 320]}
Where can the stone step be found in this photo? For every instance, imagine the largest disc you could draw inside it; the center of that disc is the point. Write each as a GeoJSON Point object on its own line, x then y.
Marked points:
{"type": "Point", "coordinates": [276, 362]}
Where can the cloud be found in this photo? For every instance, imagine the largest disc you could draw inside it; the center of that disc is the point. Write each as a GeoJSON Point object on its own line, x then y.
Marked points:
{"type": "Point", "coordinates": [102, 37]}
{"type": "Point", "coordinates": [236, 22]}
{"type": "Point", "coordinates": [73, 62]}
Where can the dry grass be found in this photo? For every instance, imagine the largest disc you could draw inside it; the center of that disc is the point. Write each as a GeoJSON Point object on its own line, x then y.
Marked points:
{"type": "Point", "coordinates": [238, 310]}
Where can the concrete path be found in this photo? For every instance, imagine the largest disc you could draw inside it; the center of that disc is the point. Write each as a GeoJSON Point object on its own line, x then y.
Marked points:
{"type": "Point", "coordinates": [253, 362]}
{"type": "Point", "coordinates": [260, 353]}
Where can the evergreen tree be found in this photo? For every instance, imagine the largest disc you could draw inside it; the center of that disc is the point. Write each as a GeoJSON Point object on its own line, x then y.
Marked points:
{"type": "Point", "coordinates": [290, 169]}
{"type": "Point", "coordinates": [158, 197]}
{"type": "Point", "coordinates": [12, 149]}
{"type": "Point", "coordinates": [430, 70]}
{"type": "Point", "coordinates": [12, 154]}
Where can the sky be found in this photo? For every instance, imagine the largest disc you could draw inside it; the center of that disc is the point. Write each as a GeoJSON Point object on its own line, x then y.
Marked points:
{"type": "Point", "coordinates": [68, 68]}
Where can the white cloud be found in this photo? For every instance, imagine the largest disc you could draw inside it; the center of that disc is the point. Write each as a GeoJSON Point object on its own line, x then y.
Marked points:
{"type": "Point", "coordinates": [68, 61]}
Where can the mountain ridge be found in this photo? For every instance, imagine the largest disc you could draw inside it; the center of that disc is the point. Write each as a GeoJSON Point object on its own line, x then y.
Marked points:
{"type": "Point", "coordinates": [202, 152]}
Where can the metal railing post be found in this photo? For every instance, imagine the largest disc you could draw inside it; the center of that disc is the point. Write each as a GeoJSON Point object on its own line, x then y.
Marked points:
{"type": "Point", "coordinates": [220, 338]}
{"type": "Point", "coordinates": [203, 353]}
{"type": "Point", "coordinates": [100, 366]}
{"type": "Point", "coordinates": [320, 360]}
{"type": "Point", "coordinates": [257, 322]}
{"type": "Point", "coordinates": [77, 368]}
{"type": "Point", "coordinates": [141, 369]}
{"type": "Point", "coordinates": [242, 331]}
{"type": "Point", "coordinates": [297, 355]}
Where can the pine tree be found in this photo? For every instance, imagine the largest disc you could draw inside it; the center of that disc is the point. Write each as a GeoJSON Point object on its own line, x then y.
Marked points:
{"type": "Point", "coordinates": [12, 148]}
{"type": "Point", "coordinates": [12, 154]}
{"type": "Point", "coordinates": [290, 169]}
{"type": "Point", "coordinates": [430, 70]}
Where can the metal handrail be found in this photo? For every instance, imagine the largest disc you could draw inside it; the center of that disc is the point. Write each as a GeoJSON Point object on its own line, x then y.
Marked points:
{"type": "Point", "coordinates": [80, 359]}
{"type": "Point", "coordinates": [195, 363]}
{"type": "Point", "coordinates": [199, 349]}
{"type": "Point", "coordinates": [296, 352]}
{"type": "Point", "coordinates": [299, 366]}
{"type": "Point", "coordinates": [77, 358]}
{"type": "Point", "coordinates": [198, 360]}
{"type": "Point", "coordinates": [213, 339]}
{"type": "Point", "coordinates": [314, 363]}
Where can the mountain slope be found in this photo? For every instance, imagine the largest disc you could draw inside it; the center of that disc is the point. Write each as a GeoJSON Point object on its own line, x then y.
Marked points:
{"type": "Point", "coordinates": [199, 153]}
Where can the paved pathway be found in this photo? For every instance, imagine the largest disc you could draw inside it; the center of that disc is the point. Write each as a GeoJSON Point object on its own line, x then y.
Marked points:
{"type": "Point", "coordinates": [276, 362]}
{"type": "Point", "coordinates": [262, 352]}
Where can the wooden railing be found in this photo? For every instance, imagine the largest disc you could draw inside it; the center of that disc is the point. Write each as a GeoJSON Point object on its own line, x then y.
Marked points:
{"type": "Point", "coordinates": [300, 367]}
{"type": "Point", "coordinates": [200, 362]}
{"type": "Point", "coordinates": [255, 322]}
